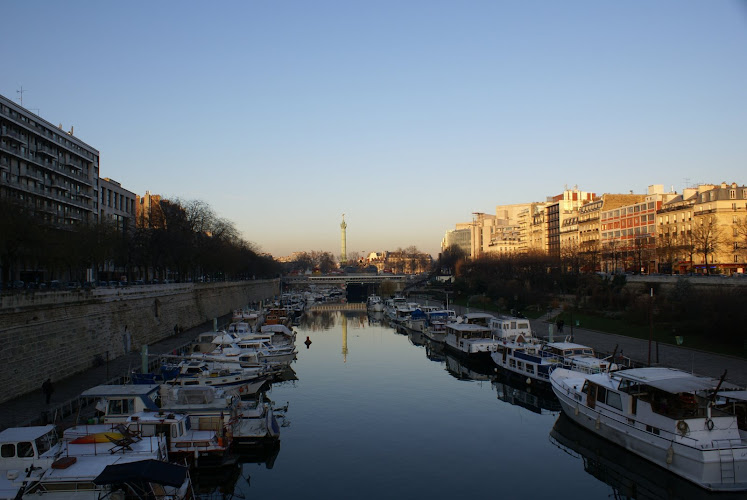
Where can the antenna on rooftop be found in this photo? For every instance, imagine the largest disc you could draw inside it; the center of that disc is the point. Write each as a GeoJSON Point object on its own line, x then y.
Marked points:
{"type": "Point", "coordinates": [20, 94]}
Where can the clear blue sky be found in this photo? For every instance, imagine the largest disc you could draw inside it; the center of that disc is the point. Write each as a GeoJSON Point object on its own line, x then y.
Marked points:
{"type": "Point", "coordinates": [407, 116]}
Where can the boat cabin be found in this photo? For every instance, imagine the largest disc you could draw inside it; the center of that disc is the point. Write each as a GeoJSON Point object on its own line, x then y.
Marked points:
{"type": "Point", "coordinates": [482, 319]}
{"type": "Point", "coordinates": [506, 327]}
{"type": "Point", "coordinates": [118, 402]}
{"type": "Point", "coordinates": [578, 357]}
{"type": "Point", "coordinates": [22, 447]}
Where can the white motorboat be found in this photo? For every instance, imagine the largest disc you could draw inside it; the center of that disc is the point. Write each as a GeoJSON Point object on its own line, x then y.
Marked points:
{"type": "Point", "coordinates": [470, 340]}
{"type": "Point", "coordinates": [256, 422]}
{"type": "Point", "coordinates": [577, 357]}
{"type": "Point", "coordinates": [435, 325]}
{"type": "Point", "coordinates": [26, 453]}
{"type": "Point", "coordinates": [98, 462]}
{"type": "Point", "coordinates": [679, 421]}
{"type": "Point", "coordinates": [391, 305]}
{"type": "Point", "coordinates": [525, 358]}
{"type": "Point", "coordinates": [374, 303]}
{"type": "Point", "coordinates": [214, 370]}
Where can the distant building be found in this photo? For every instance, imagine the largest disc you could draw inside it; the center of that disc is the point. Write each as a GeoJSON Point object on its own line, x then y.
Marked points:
{"type": "Point", "coordinates": [116, 205]}
{"type": "Point", "coordinates": [558, 209]}
{"type": "Point", "coordinates": [148, 213]}
{"type": "Point", "coordinates": [459, 237]}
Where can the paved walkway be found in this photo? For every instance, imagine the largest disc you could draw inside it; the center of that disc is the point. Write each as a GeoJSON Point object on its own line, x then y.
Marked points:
{"type": "Point", "coordinates": [683, 358]}
{"type": "Point", "coordinates": [31, 409]}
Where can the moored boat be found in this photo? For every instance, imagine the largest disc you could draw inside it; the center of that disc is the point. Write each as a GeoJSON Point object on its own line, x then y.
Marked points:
{"type": "Point", "coordinates": [676, 420]}
{"type": "Point", "coordinates": [469, 340]}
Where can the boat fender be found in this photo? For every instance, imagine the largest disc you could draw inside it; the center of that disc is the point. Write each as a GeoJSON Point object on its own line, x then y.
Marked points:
{"type": "Point", "coordinates": [576, 410]}
{"type": "Point", "coordinates": [598, 423]}
{"type": "Point", "coordinates": [709, 424]}
{"type": "Point", "coordinates": [670, 455]}
{"type": "Point", "coordinates": [683, 427]}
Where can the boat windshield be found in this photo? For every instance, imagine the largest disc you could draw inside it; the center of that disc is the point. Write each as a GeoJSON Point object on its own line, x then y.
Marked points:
{"type": "Point", "coordinates": [46, 442]}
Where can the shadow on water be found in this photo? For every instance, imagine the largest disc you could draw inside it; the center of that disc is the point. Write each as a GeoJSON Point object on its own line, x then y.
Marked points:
{"type": "Point", "coordinates": [221, 483]}
{"type": "Point", "coordinates": [629, 475]}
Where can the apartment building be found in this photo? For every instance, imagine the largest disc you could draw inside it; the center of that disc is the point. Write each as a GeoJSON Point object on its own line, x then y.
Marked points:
{"type": "Point", "coordinates": [46, 168]}
{"type": "Point", "coordinates": [589, 244]}
{"type": "Point", "coordinates": [628, 233]}
{"type": "Point", "coordinates": [558, 209]}
{"type": "Point", "coordinates": [719, 216]}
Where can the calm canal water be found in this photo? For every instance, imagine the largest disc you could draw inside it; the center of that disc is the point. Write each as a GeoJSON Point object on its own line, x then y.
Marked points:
{"type": "Point", "coordinates": [375, 413]}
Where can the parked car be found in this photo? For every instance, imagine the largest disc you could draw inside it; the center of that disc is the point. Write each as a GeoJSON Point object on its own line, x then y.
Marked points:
{"type": "Point", "coordinates": [55, 285]}
{"type": "Point", "coordinates": [139, 282]}
{"type": "Point", "coordinates": [72, 285]}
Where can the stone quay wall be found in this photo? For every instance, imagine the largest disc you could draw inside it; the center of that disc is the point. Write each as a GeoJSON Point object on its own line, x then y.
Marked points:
{"type": "Point", "coordinates": [58, 334]}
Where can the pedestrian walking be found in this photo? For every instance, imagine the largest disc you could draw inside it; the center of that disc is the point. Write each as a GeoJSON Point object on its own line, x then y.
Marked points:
{"type": "Point", "coordinates": [48, 389]}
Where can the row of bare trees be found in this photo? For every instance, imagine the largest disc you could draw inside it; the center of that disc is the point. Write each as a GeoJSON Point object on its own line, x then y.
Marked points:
{"type": "Point", "coordinates": [704, 241]}
{"type": "Point", "coordinates": [185, 240]}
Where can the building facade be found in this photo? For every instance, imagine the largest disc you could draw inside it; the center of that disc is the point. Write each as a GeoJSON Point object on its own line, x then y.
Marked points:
{"type": "Point", "coordinates": [116, 205]}
{"type": "Point", "coordinates": [47, 169]}
{"type": "Point", "coordinates": [628, 234]}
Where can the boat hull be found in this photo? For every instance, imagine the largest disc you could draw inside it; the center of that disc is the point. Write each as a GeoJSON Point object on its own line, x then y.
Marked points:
{"type": "Point", "coordinates": [704, 467]}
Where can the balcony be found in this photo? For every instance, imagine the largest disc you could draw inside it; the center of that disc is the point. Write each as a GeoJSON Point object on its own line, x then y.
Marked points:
{"type": "Point", "coordinates": [47, 151]}
{"type": "Point", "coordinates": [9, 134]}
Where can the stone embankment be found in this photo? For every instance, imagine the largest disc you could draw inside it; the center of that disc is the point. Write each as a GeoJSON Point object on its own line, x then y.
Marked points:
{"type": "Point", "coordinates": [58, 334]}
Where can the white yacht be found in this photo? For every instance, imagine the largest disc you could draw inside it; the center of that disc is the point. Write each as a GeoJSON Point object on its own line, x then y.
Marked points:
{"type": "Point", "coordinates": [374, 303]}
{"type": "Point", "coordinates": [435, 325]}
{"type": "Point", "coordinates": [679, 421]}
{"type": "Point", "coordinates": [469, 340]}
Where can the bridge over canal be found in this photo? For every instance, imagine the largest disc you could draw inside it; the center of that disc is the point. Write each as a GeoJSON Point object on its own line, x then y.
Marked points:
{"type": "Point", "coordinates": [358, 286]}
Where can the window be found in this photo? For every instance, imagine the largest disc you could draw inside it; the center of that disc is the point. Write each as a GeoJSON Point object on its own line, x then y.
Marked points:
{"type": "Point", "coordinates": [8, 450]}
{"type": "Point", "coordinates": [733, 194]}
{"type": "Point", "coordinates": [25, 449]}
{"type": "Point", "coordinates": [614, 400]}
{"type": "Point", "coordinates": [736, 258]}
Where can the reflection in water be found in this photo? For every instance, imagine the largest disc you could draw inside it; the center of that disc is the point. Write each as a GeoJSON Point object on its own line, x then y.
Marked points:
{"type": "Point", "coordinates": [463, 369]}
{"type": "Point", "coordinates": [416, 338]}
{"type": "Point", "coordinates": [221, 483]}
{"type": "Point", "coordinates": [375, 318]}
{"type": "Point", "coordinates": [344, 339]}
{"type": "Point", "coordinates": [434, 351]}
{"type": "Point", "coordinates": [538, 399]}
{"type": "Point", "coordinates": [326, 320]}
{"type": "Point", "coordinates": [629, 475]}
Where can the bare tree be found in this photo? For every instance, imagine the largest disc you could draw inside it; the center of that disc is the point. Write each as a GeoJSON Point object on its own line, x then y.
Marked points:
{"type": "Point", "coordinates": [741, 227]}
{"type": "Point", "coordinates": [707, 238]}
{"type": "Point", "coordinates": [666, 249]}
